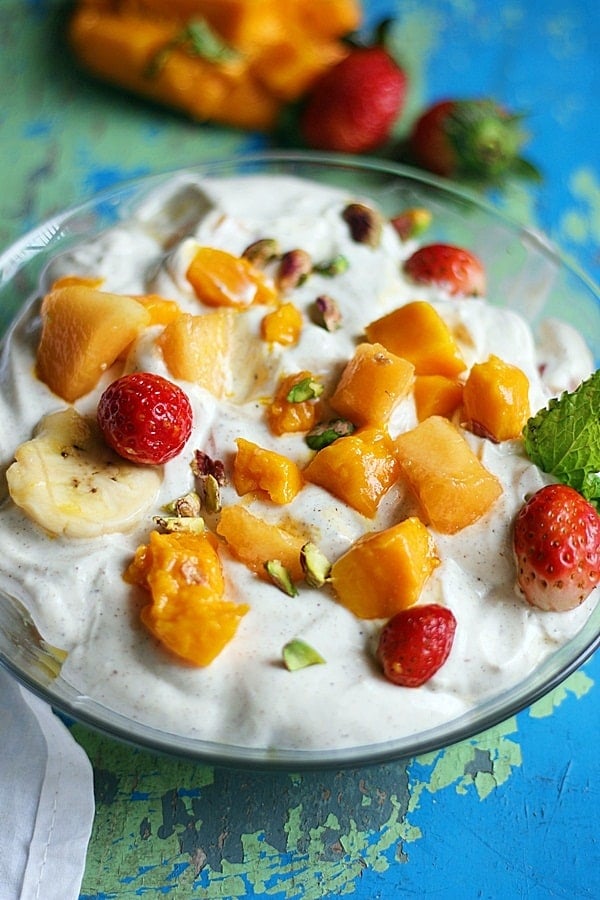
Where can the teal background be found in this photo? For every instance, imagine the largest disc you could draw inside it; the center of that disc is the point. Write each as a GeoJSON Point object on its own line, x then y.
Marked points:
{"type": "Point", "coordinates": [510, 813]}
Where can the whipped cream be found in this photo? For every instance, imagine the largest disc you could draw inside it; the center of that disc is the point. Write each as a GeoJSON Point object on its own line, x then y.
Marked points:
{"type": "Point", "coordinates": [74, 588]}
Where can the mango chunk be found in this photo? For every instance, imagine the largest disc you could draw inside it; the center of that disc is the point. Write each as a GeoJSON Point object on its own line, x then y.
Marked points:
{"type": "Point", "coordinates": [358, 469]}
{"type": "Point", "coordinates": [437, 395]}
{"type": "Point", "coordinates": [453, 487]}
{"type": "Point", "coordinates": [197, 348]}
{"type": "Point", "coordinates": [221, 279]}
{"type": "Point", "coordinates": [162, 311]}
{"type": "Point", "coordinates": [496, 400]}
{"type": "Point", "coordinates": [282, 325]}
{"type": "Point", "coordinates": [188, 612]}
{"type": "Point", "coordinates": [287, 416]}
{"type": "Point", "coordinates": [371, 385]}
{"type": "Point", "coordinates": [265, 471]}
{"type": "Point", "coordinates": [255, 542]}
{"type": "Point", "coordinates": [84, 331]}
{"type": "Point", "coordinates": [418, 333]}
{"type": "Point", "coordinates": [384, 572]}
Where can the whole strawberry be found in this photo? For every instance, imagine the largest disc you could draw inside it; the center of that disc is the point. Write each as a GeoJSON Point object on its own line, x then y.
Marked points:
{"type": "Point", "coordinates": [471, 140]}
{"type": "Point", "coordinates": [415, 643]}
{"type": "Point", "coordinates": [353, 107]}
{"type": "Point", "coordinates": [455, 269]}
{"type": "Point", "coordinates": [557, 548]}
{"type": "Point", "coordinates": [145, 418]}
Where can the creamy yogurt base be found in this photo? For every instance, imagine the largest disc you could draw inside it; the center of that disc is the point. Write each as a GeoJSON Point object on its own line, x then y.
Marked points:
{"type": "Point", "coordinates": [74, 588]}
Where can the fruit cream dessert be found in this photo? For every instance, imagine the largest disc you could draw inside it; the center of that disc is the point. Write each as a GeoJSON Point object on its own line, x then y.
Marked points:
{"type": "Point", "coordinates": [279, 474]}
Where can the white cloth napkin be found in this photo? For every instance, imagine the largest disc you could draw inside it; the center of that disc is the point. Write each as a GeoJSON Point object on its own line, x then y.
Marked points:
{"type": "Point", "coordinates": [46, 800]}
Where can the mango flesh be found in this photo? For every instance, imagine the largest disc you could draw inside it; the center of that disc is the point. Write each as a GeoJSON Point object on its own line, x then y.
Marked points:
{"type": "Point", "coordinates": [384, 572]}
{"type": "Point", "coordinates": [265, 471]}
{"type": "Point", "coordinates": [437, 395]}
{"type": "Point", "coordinates": [254, 542]}
{"type": "Point", "coordinates": [358, 469]}
{"type": "Point", "coordinates": [452, 486]}
{"type": "Point", "coordinates": [221, 279]}
{"type": "Point", "coordinates": [496, 400]}
{"type": "Point", "coordinates": [84, 331]}
{"type": "Point", "coordinates": [198, 348]}
{"type": "Point", "coordinates": [188, 612]}
{"type": "Point", "coordinates": [372, 384]}
{"type": "Point", "coordinates": [418, 333]}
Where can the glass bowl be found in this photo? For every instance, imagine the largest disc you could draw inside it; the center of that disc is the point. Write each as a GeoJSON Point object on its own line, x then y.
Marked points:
{"type": "Point", "coordinates": [528, 275]}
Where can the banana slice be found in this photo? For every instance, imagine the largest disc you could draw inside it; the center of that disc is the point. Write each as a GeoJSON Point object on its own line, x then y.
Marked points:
{"type": "Point", "coordinates": [68, 481]}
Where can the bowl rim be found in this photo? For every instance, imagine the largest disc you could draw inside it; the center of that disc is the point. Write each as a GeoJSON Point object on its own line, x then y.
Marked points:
{"type": "Point", "coordinates": [495, 709]}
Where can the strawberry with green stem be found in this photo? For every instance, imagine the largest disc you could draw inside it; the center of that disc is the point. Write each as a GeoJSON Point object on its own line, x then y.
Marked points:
{"type": "Point", "coordinates": [470, 140]}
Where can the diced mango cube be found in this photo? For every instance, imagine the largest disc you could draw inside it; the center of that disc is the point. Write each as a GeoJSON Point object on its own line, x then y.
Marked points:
{"type": "Point", "coordinates": [496, 400]}
{"type": "Point", "coordinates": [384, 572]}
{"type": "Point", "coordinates": [358, 469]}
{"type": "Point", "coordinates": [371, 385]}
{"type": "Point", "coordinates": [287, 416]}
{"type": "Point", "coordinates": [418, 333]}
{"type": "Point", "coordinates": [197, 348]}
{"type": "Point", "coordinates": [221, 279]}
{"type": "Point", "coordinates": [188, 612]}
{"type": "Point", "coordinates": [84, 331]}
{"type": "Point", "coordinates": [272, 474]}
{"type": "Point", "coordinates": [282, 325]}
{"type": "Point", "coordinates": [255, 542]}
{"type": "Point", "coordinates": [453, 487]}
{"type": "Point", "coordinates": [437, 395]}
{"type": "Point", "coordinates": [162, 311]}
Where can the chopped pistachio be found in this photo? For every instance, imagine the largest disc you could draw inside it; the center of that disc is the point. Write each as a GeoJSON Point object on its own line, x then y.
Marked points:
{"type": "Point", "coordinates": [410, 223]}
{"type": "Point", "coordinates": [297, 654]}
{"type": "Point", "coordinates": [294, 269]}
{"type": "Point", "coordinates": [315, 565]}
{"type": "Point", "coordinates": [333, 267]}
{"type": "Point", "coordinates": [188, 505]}
{"type": "Point", "coordinates": [306, 389]}
{"type": "Point", "coordinates": [203, 464]}
{"type": "Point", "coordinates": [327, 313]}
{"type": "Point", "coordinates": [280, 577]}
{"type": "Point", "coordinates": [326, 433]}
{"type": "Point", "coordinates": [365, 223]}
{"type": "Point", "coordinates": [261, 252]}
{"type": "Point", "coordinates": [196, 39]}
{"type": "Point", "coordinates": [188, 524]}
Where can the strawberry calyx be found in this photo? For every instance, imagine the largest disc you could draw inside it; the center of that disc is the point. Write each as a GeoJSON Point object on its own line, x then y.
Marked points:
{"type": "Point", "coordinates": [487, 140]}
{"type": "Point", "coordinates": [471, 140]}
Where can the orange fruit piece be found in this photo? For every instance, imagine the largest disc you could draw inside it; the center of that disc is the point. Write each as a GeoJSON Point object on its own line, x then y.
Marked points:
{"type": "Point", "coordinates": [221, 279]}
{"type": "Point", "coordinates": [188, 612]}
{"type": "Point", "coordinates": [83, 332]}
{"type": "Point", "coordinates": [162, 311]}
{"type": "Point", "coordinates": [272, 474]}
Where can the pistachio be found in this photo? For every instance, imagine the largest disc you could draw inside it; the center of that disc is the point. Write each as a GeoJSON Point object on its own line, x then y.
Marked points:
{"type": "Point", "coordinates": [306, 389]}
{"type": "Point", "coordinates": [294, 269]}
{"type": "Point", "coordinates": [336, 266]}
{"type": "Point", "coordinates": [210, 476]}
{"type": "Point", "coordinates": [326, 433]}
{"type": "Point", "coordinates": [410, 223]}
{"type": "Point", "coordinates": [188, 524]}
{"type": "Point", "coordinates": [297, 654]}
{"type": "Point", "coordinates": [365, 224]}
{"type": "Point", "coordinates": [188, 505]}
{"type": "Point", "coordinates": [315, 565]}
{"type": "Point", "coordinates": [280, 577]}
{"type": "Point", "coordinates": [327, 313]}
{"type": "Point", "coordinates": [261, 252]}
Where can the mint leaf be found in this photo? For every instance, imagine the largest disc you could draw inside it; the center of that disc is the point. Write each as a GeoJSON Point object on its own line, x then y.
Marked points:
{"type": "Point", "coordinates": [564, 438]}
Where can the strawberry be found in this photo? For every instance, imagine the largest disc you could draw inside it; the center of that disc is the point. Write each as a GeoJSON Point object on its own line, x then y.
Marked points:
{"type": "Point", "coordinates": [472, 140]}
{"type": "Point", "coordinates": [457, 270]}
{"type": "Point", "coordinates": [145, 418]}
{"type": "Point", "coordinates": [352, 108]}
{"type": "Point", "coordinates": [557, 548]}
{"type": "Point", "coordinates": [415, 643]}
